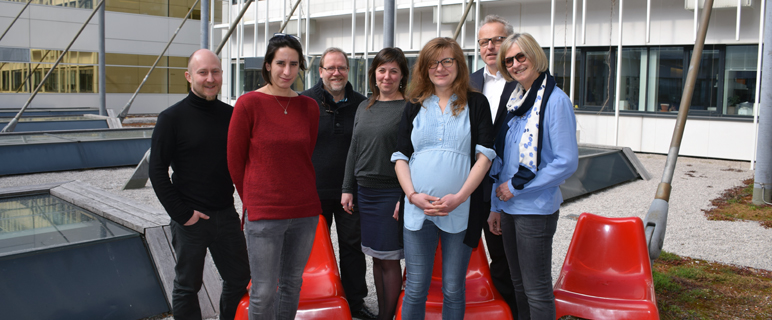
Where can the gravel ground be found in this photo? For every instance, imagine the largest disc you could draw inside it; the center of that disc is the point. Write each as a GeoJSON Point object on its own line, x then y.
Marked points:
{"type": "Point", "coordinates": [695, 183]}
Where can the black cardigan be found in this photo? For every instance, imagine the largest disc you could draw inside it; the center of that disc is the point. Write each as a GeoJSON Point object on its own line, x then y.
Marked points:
{"type": "Point", "coordinates": [482, 134]}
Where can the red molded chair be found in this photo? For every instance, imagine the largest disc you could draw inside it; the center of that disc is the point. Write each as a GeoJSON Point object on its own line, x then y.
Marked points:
{"type": "Point", "coordinates": [607, 272]}
{"type": "Point", "coordinates": [321, 296]}
{"type": "Point", "coordinates": [483, 301]}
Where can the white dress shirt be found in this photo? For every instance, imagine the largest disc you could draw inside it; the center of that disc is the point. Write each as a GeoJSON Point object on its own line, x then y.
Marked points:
{"type": "Point", "coordinates": [492, 88]}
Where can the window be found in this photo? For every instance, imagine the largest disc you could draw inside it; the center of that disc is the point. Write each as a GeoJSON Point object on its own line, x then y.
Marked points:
{"type": "Point", "coordinates": [598, 80]}
{"type": "Point", "coordinates": [705, 96]}
{"type": "Point", "coordinates": [562, 68]}
{"type": "Point", "coordinates": [739, 87]}
{"type": "Point", "coordinates": [632, 94]}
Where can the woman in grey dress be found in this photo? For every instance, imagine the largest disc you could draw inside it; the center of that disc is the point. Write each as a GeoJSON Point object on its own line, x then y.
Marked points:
{"type": "Point", "coordinates": [368, 165]}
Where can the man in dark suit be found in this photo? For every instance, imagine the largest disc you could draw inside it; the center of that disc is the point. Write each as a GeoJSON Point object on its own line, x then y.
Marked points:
{"type": "Point", "coordinates": [490, 82]}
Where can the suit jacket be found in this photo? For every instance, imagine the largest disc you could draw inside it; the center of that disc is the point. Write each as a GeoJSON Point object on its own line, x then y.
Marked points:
{"type": "Point", "coordinates": [477, 81]}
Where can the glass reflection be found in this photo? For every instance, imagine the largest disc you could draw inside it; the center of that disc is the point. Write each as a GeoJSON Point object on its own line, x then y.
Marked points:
{"type": "Point", "coordinates": [41, 221]}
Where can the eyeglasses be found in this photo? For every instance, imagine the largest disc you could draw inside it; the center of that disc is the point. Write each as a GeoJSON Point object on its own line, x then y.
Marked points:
{"type": "Point", "coordinates": [332, 69]}
{"type": "Point", "coordinates": [509, 61]}
{"type": "Point", "coordinates": [495, 40]}
{"type": "Point", "coordinates": [279, 35]}
{"type": "Point", "coordinates": [447, 63]}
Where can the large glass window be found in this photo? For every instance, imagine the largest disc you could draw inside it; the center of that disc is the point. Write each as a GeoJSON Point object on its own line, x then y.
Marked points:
{"type": "Point", "coordinates": [739, 89]}
{"type": "Point", "coordinates": [562, 68]}
{"type": "Point", "coordinates": [667, 71]}
{"type": "Point", "coordinates": [598, 81]}
{"type": "Point", "coordinates": [632, 94]}
{"type": "Point", "coordinates": [705, 96]}
{"type": "Point", "coordinates": [78, 73]}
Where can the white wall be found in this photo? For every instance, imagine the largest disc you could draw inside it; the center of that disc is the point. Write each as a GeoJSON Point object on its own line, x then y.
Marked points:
{"type": "Point", "coordinates": [712, 138]}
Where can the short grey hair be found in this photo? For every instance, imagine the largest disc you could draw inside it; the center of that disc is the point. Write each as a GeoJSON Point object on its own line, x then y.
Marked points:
{"type": "Point", "coordinates": [330, 50]}
{"type": "Point", "coordinates": [491, 18]}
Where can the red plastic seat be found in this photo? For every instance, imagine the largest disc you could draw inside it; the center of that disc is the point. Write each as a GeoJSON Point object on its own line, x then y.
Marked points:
{"type": "Point", "coordinates": [321, 296]}
{"type": "Point", "coordinates": [607, 272]}
{"type": "Point", "coordinates": [483, 301]}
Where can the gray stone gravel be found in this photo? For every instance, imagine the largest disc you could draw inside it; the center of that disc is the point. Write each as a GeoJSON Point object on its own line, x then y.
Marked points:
{"type": "Point", "coordinates": [696, 181]}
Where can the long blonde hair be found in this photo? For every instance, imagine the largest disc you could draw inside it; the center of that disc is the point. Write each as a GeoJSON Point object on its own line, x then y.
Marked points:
{"type": "Point", "coordinates": [421, 86]}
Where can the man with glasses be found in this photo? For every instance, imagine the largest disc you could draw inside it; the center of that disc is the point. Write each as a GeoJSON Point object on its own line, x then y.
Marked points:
{"type": "Point", "coordinates": [337, 106]}
{"type": "Point", "coordinates": [492, 84]}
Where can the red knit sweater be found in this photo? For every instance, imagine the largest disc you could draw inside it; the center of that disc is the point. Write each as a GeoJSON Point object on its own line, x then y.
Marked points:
{"type": "Point", "coordinates": [269, 156]}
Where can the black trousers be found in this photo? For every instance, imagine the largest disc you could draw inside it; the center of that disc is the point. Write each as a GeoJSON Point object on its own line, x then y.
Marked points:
{"type": "Point", "coordinates": [353, 267]}
{"type": "Point", "coordinates": [500, 268]}
{"type": "Point", "coordinates": [222, 235]}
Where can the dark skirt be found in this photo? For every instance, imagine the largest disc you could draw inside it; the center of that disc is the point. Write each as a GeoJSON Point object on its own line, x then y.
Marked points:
{"type": "Point", "coordinates": [381, 234]}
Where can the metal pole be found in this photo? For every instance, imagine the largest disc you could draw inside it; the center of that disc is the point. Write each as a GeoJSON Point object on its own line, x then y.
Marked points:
{"type": "Point", "coordinates": [389, 8]}
{"type": "Point", "coordinates": [737, 31]}
{"type": "Point", "coordinates": [762, 185]}
{"type": "Point", "coordinates": [205, 24]}
{"type": "Point", "coordinates": [439, 16]}
{"type": "Point", "coordinates": [14, 19]}
{"type": "Point", "coordinates": [756, 104]}
{"type": "Point", "coordinates": [12, 124]}
{"type": "Point", "coordinates": [102, 57]}
{"type": "Point", "coordinates": [648, 21]}
{"type": "Point", "coordinates": [552, 37]}
{"type": "Point", "coordinates": [476, 25]}
{"type": "Point", "coordinates": [573, 54]}
{"type": "Point", "coordinates": [618, 90]}
{"type": "Point", "coordinates": [353, 27]}
{"type": "Point", "coordinates": [372, 27]}
{"type": "Point", "coordinates": [211, 23]}
{"type": "Point", "coordinates": [655, 222]}
{"type": "Point", "coordinates": [410, 26]}
{"type": "Point", "coordinates": [463, 18]}
{"type": "Point", "coordinates": [287, 19]}
{"type": "Point", "coordinates": [231, 28]}
{"type": "Point", "coordinates": [126, 108]}
{"type": "Point", "coordinates": [584, 22]}
{"type": "Point", "coordinates": [696, 17]}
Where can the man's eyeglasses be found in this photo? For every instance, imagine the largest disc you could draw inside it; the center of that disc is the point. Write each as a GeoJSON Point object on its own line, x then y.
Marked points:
{"type": "Point", "coordinates": [495, 40]}
{"type": "Point", "coordinates": [332, 69]}
{"type": "Point", "coordinates": [284, 35]}
{"type": "Point", "coordinates": [447, 63]}
{"type": "Point", "coordinates": [509, 61]}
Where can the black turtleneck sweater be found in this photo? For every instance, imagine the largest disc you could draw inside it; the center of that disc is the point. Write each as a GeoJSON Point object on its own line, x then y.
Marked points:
{"type": "Point", "coordinates": [191, 137]}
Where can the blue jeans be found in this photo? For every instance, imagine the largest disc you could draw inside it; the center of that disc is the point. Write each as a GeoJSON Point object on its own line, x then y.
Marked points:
{"type": "Point", "coordinates": [420, 247]}
{"type": "Point", "coordinates": [528, 245]}
{"type": "Point", "coordinates": [278, 253]}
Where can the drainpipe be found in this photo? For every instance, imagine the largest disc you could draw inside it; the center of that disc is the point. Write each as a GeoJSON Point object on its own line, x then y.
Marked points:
{"type": "Point", "coordinates": [762, 185]}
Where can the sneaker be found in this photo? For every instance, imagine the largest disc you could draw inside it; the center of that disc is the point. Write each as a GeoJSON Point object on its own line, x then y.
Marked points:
{"type": "Point", "coordinates": [364, 313]}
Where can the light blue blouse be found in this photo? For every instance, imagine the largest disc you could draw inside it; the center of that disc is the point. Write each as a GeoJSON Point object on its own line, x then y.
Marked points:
{"type": "Point", "coordinates": [440, 163]}
{"type": "Point", "coordinates": [559, 159]}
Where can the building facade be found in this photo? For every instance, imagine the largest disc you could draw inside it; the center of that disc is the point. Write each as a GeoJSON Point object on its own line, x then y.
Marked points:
{"type": "Point", "coordinates": [136, 32]}
{"type": "Point", "coordinates": [644, 82]}
{"type": "Point", "coordinates": [628, 98]}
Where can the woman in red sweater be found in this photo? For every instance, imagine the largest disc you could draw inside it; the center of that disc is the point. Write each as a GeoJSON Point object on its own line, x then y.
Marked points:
{"type": "Point", "coordinates": [270, 141]}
